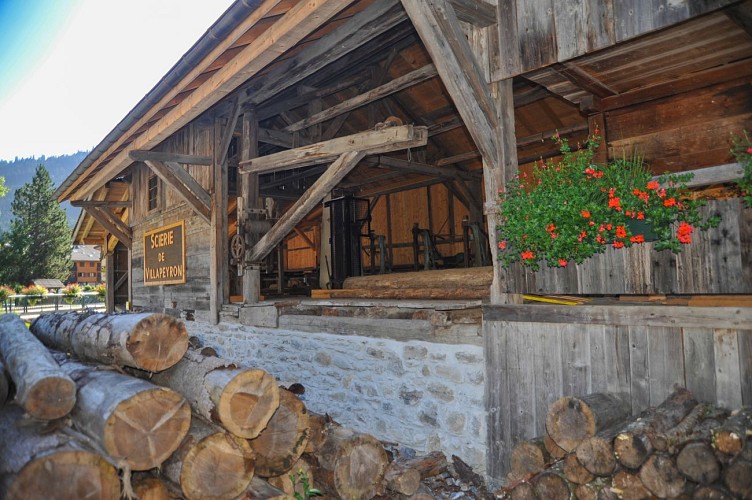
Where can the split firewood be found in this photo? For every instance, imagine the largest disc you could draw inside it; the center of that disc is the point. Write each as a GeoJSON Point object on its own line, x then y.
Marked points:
{"type": "Point", "coordinates": [284, 439]}
{"type": "Point", "coordinates": [635, 444]}
{"type": "Point", "coordinates": [302, 467]}
{"type": "Point", "coordinates": [129, 418]}
{"type": "Point", "coordinates": [352, 465]}
{"type": "Point", "coordinates": [210, 463]}
{"type": "Point", "coordinates": [737, 477]}
{"type": "Point", "coordinates": [39, 462]}
{"type": "Point", "coordinates": [403, 480]}
{"type": "Point", "coordinates": [42, 388]}
{"type": "Point", "coordinates": [596, 454]}
{"type": "Point", "coordinates": [570, 420]}
{"type": "Point", "coordinates": [575, 472]}
{"type": "Point", "coordinates": [697, 462]}
{"type": "Point", "coordinates": [731, 437]}
{"type": "Point", "coordinates": [628, 486]}
{"type": "Point", "coordinates": [429, 465]}
{"type": "Point", "coordinates": [241, 400]}
{"type": "Point", "coordinates": [148, 341]}
{"type": "Point", "coordinates": [660, 475]}
{"type": "Point", "coordinates": [528, 457]}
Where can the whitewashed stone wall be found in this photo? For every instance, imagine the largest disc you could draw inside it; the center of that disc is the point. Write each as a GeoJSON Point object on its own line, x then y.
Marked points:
{"type": "Point", "coordinates": [427, 396]}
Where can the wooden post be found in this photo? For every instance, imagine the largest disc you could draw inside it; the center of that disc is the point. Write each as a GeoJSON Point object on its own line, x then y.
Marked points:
{"type": "Point", "coordinates": [325, 270]}
{"type": "Point", "coordinates": [249, 190]}
{"type": "Point", "coordinates": [218, 245]}
{"type": "Point", "coordinates": [109, 301]}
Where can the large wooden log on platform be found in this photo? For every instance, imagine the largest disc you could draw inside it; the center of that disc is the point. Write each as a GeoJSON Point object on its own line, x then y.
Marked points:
{"type": "Point", "coordinates": [284, 439]}
{"type": "Point", "coordinates": [210, 463]}
{"type": "Point", "coordinates": [42, 388]}
{"type": "Point", "coordinates": [242, 400]}
{"type": "Point", "coordinates": [39, 462]}
{"type": "Point", "coordinates": [661, 476]}
{"type": "Point", "coordinates": [148, 341]}
{"type": "Point", "coordinates": [130, 419]}
{"type": "Point", "coordinates": [468, 277]}
{"type": "Point", "coordinates": [353, 465]}
{"type": "Point", "coordinates": [636, 442]}
{"type": "Point", "coordinates": [732, 436]}
{"type": "Point", "coordinates": [570, 419]}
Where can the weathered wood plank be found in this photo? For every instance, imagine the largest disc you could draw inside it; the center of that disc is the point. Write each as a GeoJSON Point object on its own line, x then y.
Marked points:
{"type": "Point", "coordinates": [143, 155]}
{"type": "Point", "coordinates": [575, 353]}
{"type": "Point", "coordinates": [498, 422]}
{"type": "Point", "coordinates": [477, 12]}
{"type": "Point", "coordinates": [537, 33]}
{"type": "Point", "coordinates": [508, 33]}
{"type": "Point", "coordinates": [185, 185]}
{"type": "Point", "coordinates": [101, 204]}
{"type": "Point", "coordinates": [727, 370]}
{"type": "Point", "coordinates": [639, 369]}
{"type": "Point", "coordinates": [618, 378]}
{"type": "Point", "coordinates": [108, 221]}
{"type": "Point", "coordinates": [521, 382]}
{"type": "Point", "coordinates": [699, 356]}
{"type": "Point", "coordinates": [547, 367]}
{"type": "Point", "coordinates": [371, 142]}
{"type": "Point", "coordinates": [665, 362]}
{"type": "Point", "coordinates": [744, 338]}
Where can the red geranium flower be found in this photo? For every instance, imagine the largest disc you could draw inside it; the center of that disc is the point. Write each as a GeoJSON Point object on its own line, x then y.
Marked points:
{"type": "Point", "coordinates": [637, 239]}
{"type": "Point", "coordinates": [562, 262]}
{"type": "Point", "coordinates": [653, 185]}
{"type": "Point", "coordinates": [618, 244]}
{"type": "Point", "coordinates": [621, 232]}
{"type": "Point", "coordinates": [669, 202]}
{"type": "Point", "coordinates": [585, 213]}
{"type": "Point", "coordinates": [527, 255]}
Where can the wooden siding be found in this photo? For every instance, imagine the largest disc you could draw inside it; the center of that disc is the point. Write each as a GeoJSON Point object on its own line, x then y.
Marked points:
{"type": "Point", "coordinates": [717, 261]}
{"type": "Point", "coordinates": [536, 33]}
{"type": "Point", "coordinates": [537, 354]}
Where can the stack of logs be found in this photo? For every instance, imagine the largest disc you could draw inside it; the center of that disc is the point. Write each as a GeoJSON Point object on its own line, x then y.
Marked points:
{"type": "Point", "coordinates": [593, 449]}
{"type": "Point", "coordinates": [138, 403]}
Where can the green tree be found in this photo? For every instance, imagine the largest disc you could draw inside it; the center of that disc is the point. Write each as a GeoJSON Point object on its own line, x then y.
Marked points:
{"type": "Point", "coordinates": [38, 244]}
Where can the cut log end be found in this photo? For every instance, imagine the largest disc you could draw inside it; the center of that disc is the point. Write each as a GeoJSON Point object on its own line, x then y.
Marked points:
{"type": "Point", "coordinates": [146, 428]}
{"type": "Point", "coordinates": [248, 402]}
{"type": "Point", "coordinates": [360, 469]}
{"type": "Point", "coordinates": [50, 398]}
{"type": "Point", "coordinates": [661, 476]}
{"type": "Point", "coordinates": [219, 466]}
{"type": "Point", "coordinates": [158, 342]}
{"type": "Point", "coordinates": [569, 421]}
{"type": "Point", "coordinates": [66, 474]}
{"type": "Point", "coordinates": [632, 450]}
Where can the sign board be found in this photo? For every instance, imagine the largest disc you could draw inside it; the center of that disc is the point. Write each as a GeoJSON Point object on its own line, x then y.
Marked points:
{"type": "Point", "coordinates": [164, 255]}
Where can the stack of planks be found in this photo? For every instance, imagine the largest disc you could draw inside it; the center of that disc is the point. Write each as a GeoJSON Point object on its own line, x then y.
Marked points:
{"type": "Point", "coordinates": [593, 449]}
{"type": "Point", "coordinates": [138, 399]}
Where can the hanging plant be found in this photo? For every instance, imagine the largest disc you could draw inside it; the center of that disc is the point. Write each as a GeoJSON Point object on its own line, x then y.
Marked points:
{"type": "Point", "coordinates": [569, 210]}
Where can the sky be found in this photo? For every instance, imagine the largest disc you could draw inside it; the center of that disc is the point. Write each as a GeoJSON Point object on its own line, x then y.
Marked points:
{"type": "Point", "coordinates": [70, 70]}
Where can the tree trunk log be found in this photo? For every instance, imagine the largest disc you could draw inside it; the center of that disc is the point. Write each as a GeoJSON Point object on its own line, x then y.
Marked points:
{"type": "Point", "coordinates": [210, 463]}
{"type": "Point", "coordinates": [262, 490]}
{"type": "Point", "coordinates": [429, 465]}
{"type": "Point", "coordinates": [713, 492]}
{"type": "Point", "coordinates": [550, 484]}
{"type": "Point", "coordinates": [241, 400]}
{"type": "Point", "coordinates": [737, 477]}
{"type": "Point", "coordinates": [731, 437]}
{"type": "Point", "coordinates": [151, 342]}
{"type": "Point", "coordinates": [697, 461]}
{"type": "Point", "coordinates": [318, 425]}
{"type": "Point", "coordinates": [403, 480]}
{"type": "Point", "coordinates": [523, 491]}
{"type": "Point", "coordinates": [553, 449]}
{"type": "Point", "coordinates": [129, 418]}
{"type": "Point", "coordinates": [302, 466]}
{"type": "Point", "coordinates": [590, 490]}
{"type": "Point", "coordinates": [570, 420]}
{"type": "Point", "coordinates": [284, 439]}
{"type": "Point", "coordinates": [37, 462]}
{"type": "Point", "coordinates": [629, 486]}
{"type": "Point", "coordinates": [685, 427]}
{"type": "Point", "coordinates": [635, 444]}
{"type": "Point", "coordinates": [597, 455]}
{"type": "Point", "coordinates": [528, 457]}
{"type": "Point", "coordinates": [356, 463]}
{"type": "Point", "coordinates": [42, 388]}
{"type": "Point", "coordinates": [479, 277]}
{"type": "Point", "coordinates": [660, 475]}
{"type": "Point", "coordinates": [575, 472]}
{"type": "Point", "coordinates": [150, 488]}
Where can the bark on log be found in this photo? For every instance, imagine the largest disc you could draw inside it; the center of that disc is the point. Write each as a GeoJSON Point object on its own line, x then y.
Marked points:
{"type": "Point", "coordinates": [737, 477]}
{"type": "Point", "coordinates": [479, 277]}
{"type": "Point", "coordinates": [660, 475]}
{"type": "Point", "coordinates": [210, 463]}
{"type": "Point", "coordinates": [403, 480]}
{"type": "Point", "coordinates": [550, 484]}
{"type": "Point", "coordinates": [597, 455]}
{"type": "Point", "coordinates": [284, 439]}
{"type": "Point", "coordinates": [302, 466]}
{"type": "Point", "coordinates": [697, 461]}
{"type": "Point", "coordinates": [4, 386]}
{"type": "Point", "coordinates": [262, 490]}
{"type": "Point", "coordinates": [42, 388]}
{"type": "Point", "coordinates": [317, 425]}
{"type": "Point", "coordinates": [356, 464]}
{"type": "Point", "coordinates": [570, 420]}
{"type": "Point", "coordinates": [429, 465]}
{"type": "Point", "coordinates": [731, 437]}
{"type": "Point", "coordinates": [150, 488]}
{"type": "Point", "coordinates": [713, 492]}
{"type": "Point", "coordinates": [528, 457]}
{"type": "Point", "coordinates": [151, 342]}
{"type": "Point", "coordinates": [553, 449]}
{"type": "Point", "coordinates": [37, 462]}
{"type": "Point", "coordinates": [685, 427]}
{"type": "Point", "coordinates": [241, 400]}
{"type": "Point", "coordinates": [629, 486]}
{"type": "Point", "coordinates": [590, 490]}
{"type": "Point", "coordinates": [575, 472]}
{"type": "Point", "coordinates": [523, 491]}
{"type": "Point", "coordinates": [130, 418]}
{"type": "Point", "coordinates": [635, 444]}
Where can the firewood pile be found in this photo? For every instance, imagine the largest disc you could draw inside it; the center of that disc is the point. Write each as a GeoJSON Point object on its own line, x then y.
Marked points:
{"type": "Point", "coordinates": [110, 405]}
{"type": "Point", "coordinates": [593, 449]}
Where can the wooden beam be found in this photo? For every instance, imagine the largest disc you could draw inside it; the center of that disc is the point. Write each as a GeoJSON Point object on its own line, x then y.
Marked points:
{"type": "Point", "coordinates": [312, 197]}
{"type": "Point", "coordinates": [143, 155]}
{"type": "Point", "coordinates": [707, 176]}
{"type": "Point", "coordinates": [120, 231]}
{"type": "Point", "coordinates": [477, 12]}
{"type": "Point", "coordinates": [451, 160]}
{"type": "Point", "coordinates": [399, 188]}
{"type": "Point", "coordinates": [185, 185]}
{"type": "Point", "coordinates": [405, 81]}
{"type": "Point", "coordinates": [301, 20]}
{"type": "Point", "coordinates": [281, 138]}
{"type": "Point", "coordinates": [101, 204]}
{"type": "Point", "coordinates": [741, 14]}
{"type": "Point", "coordinates": [305, 238]}
{"type": "Point", "coordinates": [583, 80]}
{"type": "Point", "coordinates": [426, 169]}
{"type": "Point", "coordinates": [249, 192]}
{"type": "Point", "coordinates": [218, 256]}
{"type": "Point", "coordinates": [439, 29]}
{"type": "Point", "coordinates": [226, 137]}
{"type": "Point", "coordinates": [371, 142]}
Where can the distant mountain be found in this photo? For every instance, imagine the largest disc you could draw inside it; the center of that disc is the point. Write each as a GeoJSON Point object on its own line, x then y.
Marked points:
{"type": "Point", "coordinates": [21, 170]}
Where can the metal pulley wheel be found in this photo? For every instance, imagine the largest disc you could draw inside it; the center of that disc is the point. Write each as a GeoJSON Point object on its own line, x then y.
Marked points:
{"type": "Point", "coordinates": [237, 248]}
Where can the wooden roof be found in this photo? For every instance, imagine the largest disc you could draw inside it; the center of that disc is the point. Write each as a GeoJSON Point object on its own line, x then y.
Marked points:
{"type": "Point", "coordinates": [287, 53]}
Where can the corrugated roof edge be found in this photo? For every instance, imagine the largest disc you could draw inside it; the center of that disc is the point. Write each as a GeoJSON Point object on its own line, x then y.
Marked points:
{"type": "Point", "coordinates": [230, 19]}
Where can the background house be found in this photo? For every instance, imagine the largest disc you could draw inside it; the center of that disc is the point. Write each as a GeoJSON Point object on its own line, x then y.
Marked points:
{"type": "Point", "coordinates": [87, 264]}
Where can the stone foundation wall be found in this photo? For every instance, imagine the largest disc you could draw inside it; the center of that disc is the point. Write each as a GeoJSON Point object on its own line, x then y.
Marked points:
{"type": "Point", "coordinates": [424, 395]}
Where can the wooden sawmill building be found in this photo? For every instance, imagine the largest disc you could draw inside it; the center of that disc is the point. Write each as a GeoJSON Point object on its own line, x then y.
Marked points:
{"type": "Point", "coordinates": [299, 143]}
